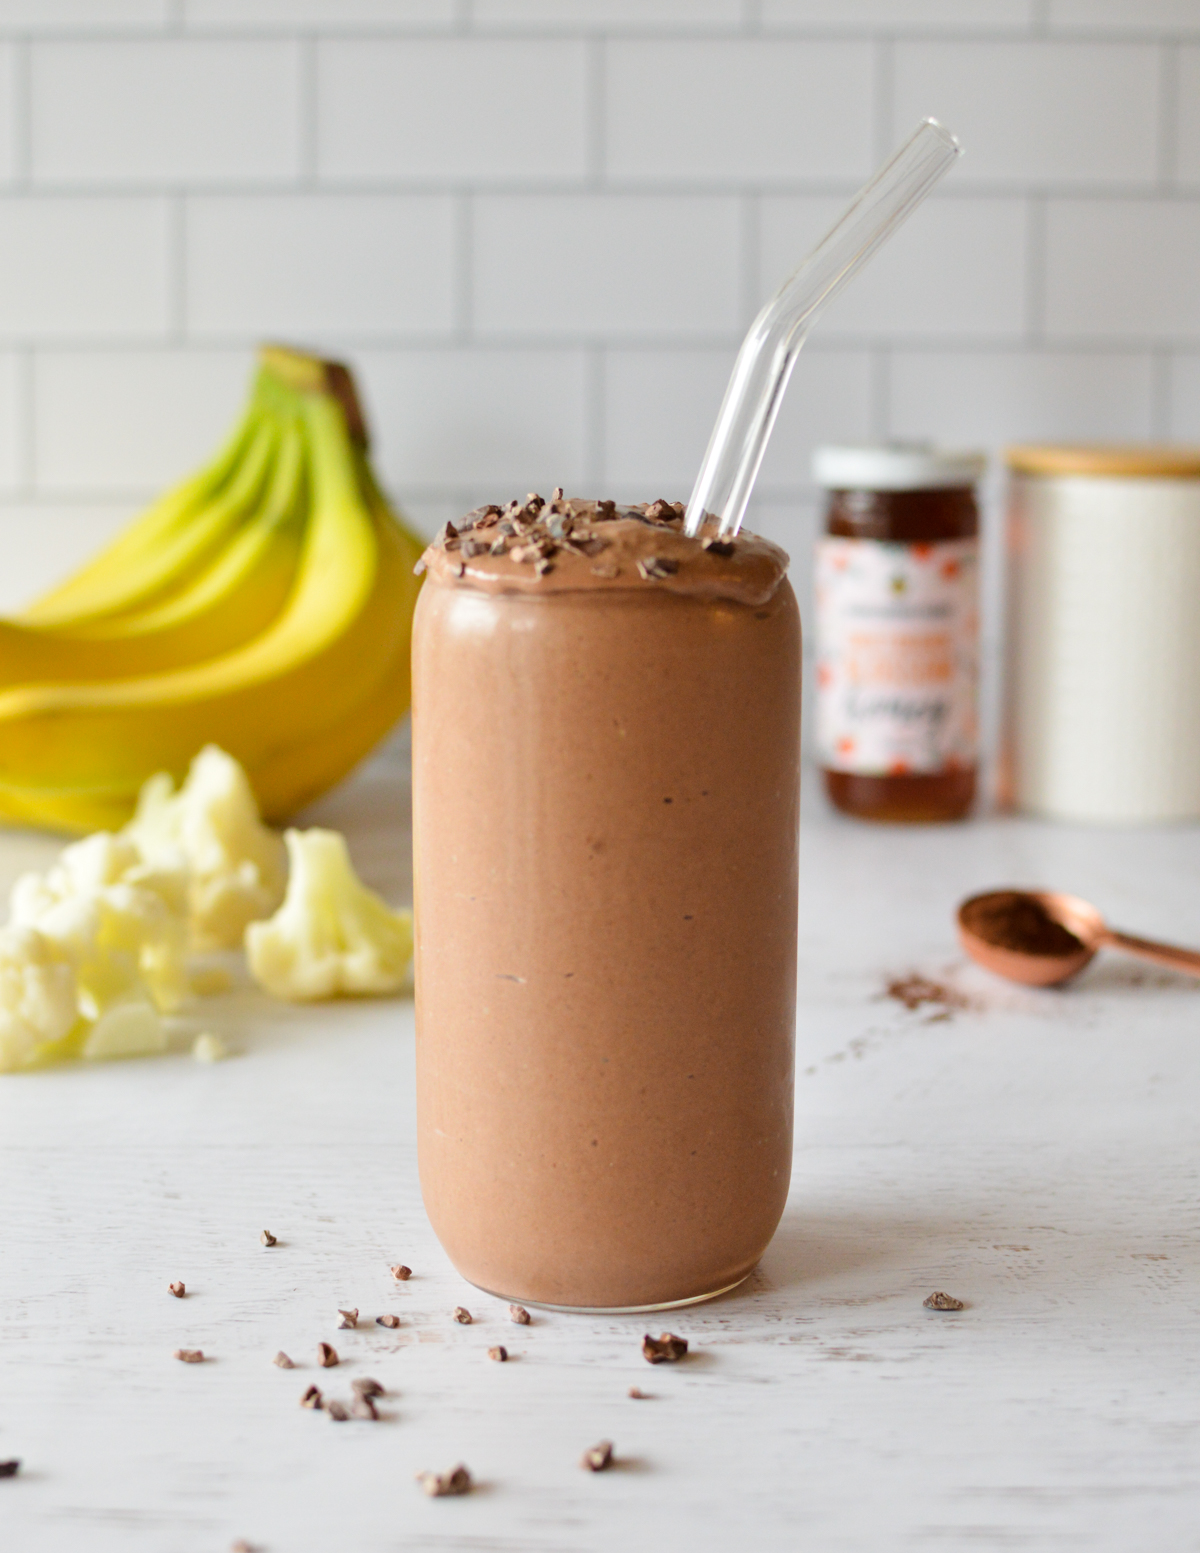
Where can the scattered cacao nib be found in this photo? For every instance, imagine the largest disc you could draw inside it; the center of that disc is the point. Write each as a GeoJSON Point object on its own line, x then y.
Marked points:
{"type": "Point", "coordinates": [654, 567]}
{"type": "Point", "coordinates": [533, 501]}
{"type": "Point", "coordinates": [519, 1315]}
{"type": "Point", "coordinates": [312, 1398]}
{"type": "Point", "coordinates": [471, 548]}
{"type": "Point", "coordinates": [606, 569]}
{"type": "Point", "coordinates": [717, 546]}
{"type": "Point", "coordinates": [544, 566]}
{"type": "Point", "coordinates": [598, 1458]}
{"type": "Point", "coordinates": [557, 493]}
{"type": "Point", "coordinates": [189, 1355]}
{"type": "Point", "coordinates": [663, 510]}
{"type": "Point", "coordinates": [507, 529]}
{"type": "Point", "coordinates": [606, 511]}
{"type": "Point", "coordinates": [281, 1359]}
{"type": "Point", "coordinates": [665, 1349]}
{"type": "Point", "coordinates": [338, 1411]}
{"type": "Point", "coordinates": [9, 1469]}
{"type": "Point", "coordinates": [177, 1289]}
{"type": "Point", "coordinates": [363, 1407]}
{"type": "Point", "coordinates": [498, 546]}
{"type": "Point", "coordinates": [499, 1353]}
{"type": "Point", "coordinates": [438, 1485]}
{"type": "Point", "coordinates": [326, 1356]}
{"type": "Point", "coordinates": [387, 1321]}
{"type": "Point", "coordinates": [267, 1238]}
{"type": "Point", "coordinates": [523, 553]}
{"type": "Point", "coordinates": [462, 1315]}
{"type": "Point", "coordinates": [401, 1273]}
{"type": "Point", "coordinates": [940, 1301]}
{"type": "Point", "coordinates": [347, 1319]}
{"type": "Point", "coordinates": [638, 1394]}
{"type": "Point", "coordinates": [366, 1387]}
{"type": "Point", "coordinates": [445, 534]}
{"type": "Point", "coordinates": [915, 991]}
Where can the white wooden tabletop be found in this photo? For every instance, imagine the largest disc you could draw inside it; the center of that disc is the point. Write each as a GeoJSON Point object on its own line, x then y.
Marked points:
{"type": "Point", "coordinates": [1034, 1154]}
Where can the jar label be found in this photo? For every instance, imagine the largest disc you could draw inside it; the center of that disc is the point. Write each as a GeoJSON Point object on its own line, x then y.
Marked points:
{"type": "Point", "coordinates": [897, 656]}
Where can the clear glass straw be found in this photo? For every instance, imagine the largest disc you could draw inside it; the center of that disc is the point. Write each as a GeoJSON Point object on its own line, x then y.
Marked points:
{"type": "Point", "coordinates": [768, 353]}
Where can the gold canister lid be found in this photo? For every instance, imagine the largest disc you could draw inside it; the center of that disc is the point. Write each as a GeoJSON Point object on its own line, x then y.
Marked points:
{"type": "Point", "coordinates": [1135, 461]}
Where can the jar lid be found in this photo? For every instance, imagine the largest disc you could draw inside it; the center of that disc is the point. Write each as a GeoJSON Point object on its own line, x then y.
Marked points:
{"type": "Point", "coordinates": [895, 466]}
{"type": "Point", "coordinates": [1145, 462]}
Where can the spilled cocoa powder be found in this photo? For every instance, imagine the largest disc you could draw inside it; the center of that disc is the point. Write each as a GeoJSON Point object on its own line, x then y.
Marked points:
{"type": "Point", "coordinates": [1008, 919]}
{"type": "Point", "coordinates": [916, 992]}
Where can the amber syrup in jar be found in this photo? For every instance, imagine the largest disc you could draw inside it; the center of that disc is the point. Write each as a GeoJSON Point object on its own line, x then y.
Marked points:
{"type": "Point", "coordinates": [897, 631]}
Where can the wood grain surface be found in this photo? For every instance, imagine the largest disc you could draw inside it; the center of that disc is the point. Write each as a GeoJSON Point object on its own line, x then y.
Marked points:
{"type": "Point", "coordinates": [1034, 1154]}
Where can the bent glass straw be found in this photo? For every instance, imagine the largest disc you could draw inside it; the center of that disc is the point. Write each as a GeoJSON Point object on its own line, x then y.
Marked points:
{"type": "Point", "coordinates": [768, 353]}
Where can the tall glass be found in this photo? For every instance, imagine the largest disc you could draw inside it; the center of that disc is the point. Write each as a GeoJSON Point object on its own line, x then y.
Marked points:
{"type": "Point", "coordinates": [606, 800]}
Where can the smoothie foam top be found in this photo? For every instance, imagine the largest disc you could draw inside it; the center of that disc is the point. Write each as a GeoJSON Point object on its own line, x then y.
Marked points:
{"type": "Point", "coordinates": [571, 545]}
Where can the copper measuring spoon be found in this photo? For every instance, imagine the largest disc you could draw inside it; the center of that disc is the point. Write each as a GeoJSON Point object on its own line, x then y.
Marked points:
{"type": "Point", "coordinates": [1080, 919]}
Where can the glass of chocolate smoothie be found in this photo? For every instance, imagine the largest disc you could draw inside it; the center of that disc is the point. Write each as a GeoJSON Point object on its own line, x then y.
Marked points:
{"type": "Point", "coordinates": [606, 776]}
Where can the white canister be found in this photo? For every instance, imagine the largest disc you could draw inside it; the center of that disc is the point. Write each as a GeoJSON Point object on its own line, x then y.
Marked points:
{"type": "Point", "coordinates": [1103, 684]}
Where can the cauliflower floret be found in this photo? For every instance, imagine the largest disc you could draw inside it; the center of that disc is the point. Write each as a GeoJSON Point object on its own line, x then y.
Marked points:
{"type": "Point", "coordinates": [211, 830]}
{"type": "Point", "coordinates": [332, 935]}
{"type": "Point", "coordinates": [128, 1029]}
{"type": "Point", "coordinates": [37, 996]}
{"type": "Point", "coordinates": [115, 920]}
{"type": "Point", "coordinates": [210, 1048]}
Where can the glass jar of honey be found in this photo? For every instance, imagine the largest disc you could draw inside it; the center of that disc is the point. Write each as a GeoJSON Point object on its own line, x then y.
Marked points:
{"type": "Point", "coordinates": [897, 630]}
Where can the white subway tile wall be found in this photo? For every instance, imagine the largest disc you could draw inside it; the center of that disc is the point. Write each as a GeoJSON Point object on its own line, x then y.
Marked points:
{"type": "Point", "coordinates": [539, 228]}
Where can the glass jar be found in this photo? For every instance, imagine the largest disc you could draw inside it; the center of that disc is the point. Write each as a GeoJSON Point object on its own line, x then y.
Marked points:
{"type": "Point", "coordinates": [1102, 716]}
{"type": "Point", "coordinates": [897, 622]}
{"type": "Point", "coordinates": [606, 755]}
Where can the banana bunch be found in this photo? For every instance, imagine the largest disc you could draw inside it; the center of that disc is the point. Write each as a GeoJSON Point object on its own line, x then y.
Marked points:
{"type": "Point", "coordinates": [264, 605]}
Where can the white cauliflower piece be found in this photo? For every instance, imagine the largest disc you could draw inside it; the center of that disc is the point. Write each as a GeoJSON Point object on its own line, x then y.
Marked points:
{"type": "Point", "coordinates": [211, 829]}
{"type": "Point", "coordinates": [132, 1028]}
{"type": "Point", "coordinates": [208, 1047]}
{"type": "Point", "coordinates": [37, 996]}
{"type": "Point", "coordinates": [114, 919]}
{"type": "Point", "coordinates": [332, 936]}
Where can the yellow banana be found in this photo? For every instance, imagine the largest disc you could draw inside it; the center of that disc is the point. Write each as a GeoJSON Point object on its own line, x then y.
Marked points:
{"type": "Point", "coordinates": [228, 604]}
{"type": "Point", "coordinates": [179, 530]}
{"type": "Point", "coordinates": [297, 705]}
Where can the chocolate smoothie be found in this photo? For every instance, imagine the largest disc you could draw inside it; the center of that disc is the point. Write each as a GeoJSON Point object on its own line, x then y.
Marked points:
{"type": "Point", "coordinates": [606, 756]}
